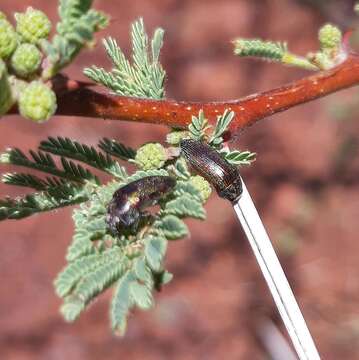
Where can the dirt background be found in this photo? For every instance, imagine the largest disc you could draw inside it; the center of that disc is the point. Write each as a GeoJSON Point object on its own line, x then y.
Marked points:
{"type": "Point", "coordinates": [305, 183]}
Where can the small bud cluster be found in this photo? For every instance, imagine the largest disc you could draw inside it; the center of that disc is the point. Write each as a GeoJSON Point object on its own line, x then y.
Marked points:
{"type": "Point", "coordinates": [21, 58]}
{"type": "Point", "coordinates": [151, 156]}
{"type": "Point", "coordinates": [202, 185]}
{"type": "Point", "coordinates": [331, 50]}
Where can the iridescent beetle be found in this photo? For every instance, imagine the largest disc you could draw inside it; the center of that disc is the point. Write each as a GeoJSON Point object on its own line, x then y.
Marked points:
{"type": "Point", "coordinates": [214, 168]}
{"type": "Point", "coordinates": [126, 207]}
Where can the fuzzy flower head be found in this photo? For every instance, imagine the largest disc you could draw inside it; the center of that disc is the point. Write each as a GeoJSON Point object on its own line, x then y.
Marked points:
{"type": "Point", "coordinates": [151, 156]}
{"type": "Point", "coordinates": [202, 185]}
{"type": "Point", "coordinates": [175, 137]}
{"type": "Point", "coordinates": [32, 25]}
{"type": "Point", "coordinates": [37, 102]}
{"type": "Point", "coordinates": [26, 60]}
{"type": "Point", "coordinates": [8, 39]}
{"type": "Point", "coordinates": [330, 37]}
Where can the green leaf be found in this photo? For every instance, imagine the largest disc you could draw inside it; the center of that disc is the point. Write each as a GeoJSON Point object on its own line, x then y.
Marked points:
{"type": "Point", "coordinates": [73, 150]}
{"type": "Point", "coordinates": [173, 228]}
{"type": "Point", "coordinates": [141, 174]}
{"type": "Point", "coordinates": [267, 50]}
{"type": "Point", "coordinates": [31, 181]}
{"type": "Point", "coordinates": [141, 295]}
{"type": "Point", "coordinates": [222, 124]}
{"type": "Point", "coordinates": [237, 157]}
{"type": "Point", "coordinates": [121, 303]}
{"type": "Point", "coordinates": [155, 249]}
{"type": "Point", "coordinates": [45, 163]}
{"type": "Point", "coordinates": [75, 31]}
{"type": "Point", "coordinates": [141, 270]}
{"type": "Point", "coordinates": [144, 77]}
{"type": "Point", "coordinates": [74, 271]}
{"type": "Point", "coordinates": [185, 206]}
{"type": "Point", "coordinates": [198, 126]}
{"type": "Point", "coordinates": [180, 169]}
{"type": "Point", "coordinates": [117, 149]}
{"type": "Point", "coordinates": [54, 198]}
{"type": "Point", "coordinates": [185, 187]}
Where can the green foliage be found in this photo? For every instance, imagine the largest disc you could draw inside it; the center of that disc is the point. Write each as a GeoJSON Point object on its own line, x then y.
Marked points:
{"type": "Point", "coordinates": [114, 148]}
{"type": "Point", "coordinates": [144, 77]}
{"type": "Point", "coordinates": [199, 130]}
{"type": "Point", "coordinates": [51, 199]}
{"type": "Point", "coordinates": [222, 124]}
{"type": "Point", "coordinates": [184, 206]}
{"type": "Point", "coordinates": [267, 50]}
{"type": "Point", "coordinates": [240, 158]}
{"type": "Point", "coordinates": [198, 126]}
{"type": "Point", "coordinates": [132, 261]}
{"type": "Point", "coordinates": [173, 228]}
{"type": "Point", "coordinates": [44, 162]}
{"type": "Point", "coordinates": [32, 181]}
{"type": "Point", "coordinates": [155, 249]}
{"type": "Point", "coordinates": [86, 154]}
{"type": "Point", "coordinates": [76, 29]}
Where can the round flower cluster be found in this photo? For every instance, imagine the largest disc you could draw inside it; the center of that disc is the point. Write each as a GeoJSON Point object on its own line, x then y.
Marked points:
{"type": "Point", "coordinates": [151, 156]}
{"type": "Point", "coordinates": [330, 37]}
{"type": "Point", "coordinates": [20, 55]}
{"type": "Point", "coordinates": [37, 102]}
{"type": "Point", "coordinates": [33, 25]}
{"type": "Point", "coordinates": [26, 60]}
{"type": "Point", "coordinates": [8, 38]}
{"type": "Point", "coordinates": [202, 185]}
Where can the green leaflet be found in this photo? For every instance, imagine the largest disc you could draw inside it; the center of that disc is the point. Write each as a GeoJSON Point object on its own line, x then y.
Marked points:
{"type": "Point", "coordinates": [44, 162]}
{"type": "Point", "coordinates": [117, 149]}
{"type": "Point", "coordinates": [237, 157]}
{"type": "Point", "coordinates": [81, 152]}
{"type": "Point", "coordinates": [144, 77]}
{"type": "Point", "coordinates": [74, 271]}
{"type": "Point", "coordinates": [180, 169]}
{"type": "Point", "coordinates": [185, 206]}
{"type": "Point", "coordinates": [89, 286]}
{"type": "Point", "coordinates": [155, 249]}
{"type": "Point", "coordinates": [54, 198]}
{"type": "Point", "coordinates": [222, 124]}
{"type": "Point", "coordinates": [185, 187]}
{"type": "Point", "coordinates": [172, 227]}
{"type": "Point", "coordinates": [141, 174]}
{"type": "Point", "coordinates": [268, 50]}
{"type": "Point", "coordinates": [121, 303]}
{"type": "Point", "coordinates": [198, 126]}
{"type": "Point", "coordinates": [142, 295]}
{"type": "Point", "coordinates": [75, 31]}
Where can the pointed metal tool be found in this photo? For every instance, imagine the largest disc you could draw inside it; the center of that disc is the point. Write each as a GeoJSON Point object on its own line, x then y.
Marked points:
{"type": "Point", "coordinates": [275, 277]}
{"type": "Point", "coordinates": [226, 179]}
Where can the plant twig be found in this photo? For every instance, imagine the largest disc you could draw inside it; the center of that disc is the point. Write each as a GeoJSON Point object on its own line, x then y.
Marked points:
{"type": "Point", "coordinates": [82, 101]}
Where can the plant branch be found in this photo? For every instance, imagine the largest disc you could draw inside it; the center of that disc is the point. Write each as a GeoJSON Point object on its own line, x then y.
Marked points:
{"type": "Point", "coordinates": [83, 101]}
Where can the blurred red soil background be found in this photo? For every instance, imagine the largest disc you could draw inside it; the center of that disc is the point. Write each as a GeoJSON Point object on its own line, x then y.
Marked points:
{"type": "Point", "coordinates": [305, 183]}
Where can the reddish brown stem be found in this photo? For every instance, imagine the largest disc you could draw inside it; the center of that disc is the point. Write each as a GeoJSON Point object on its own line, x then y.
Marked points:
{"type": "Point", "coordinates": [83, 101]}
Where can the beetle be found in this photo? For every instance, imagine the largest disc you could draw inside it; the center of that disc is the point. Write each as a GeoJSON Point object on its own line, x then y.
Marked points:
{"type": "Point", "coordinates": [207, 162]}
{"type": "Point", "coordinates": [128, 202]}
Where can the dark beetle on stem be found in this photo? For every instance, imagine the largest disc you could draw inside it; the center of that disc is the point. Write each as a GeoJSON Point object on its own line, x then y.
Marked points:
{"type": "Point", "coordinates": [213, 167]}
{"type": "Point", "coordinates": [125, 208]}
